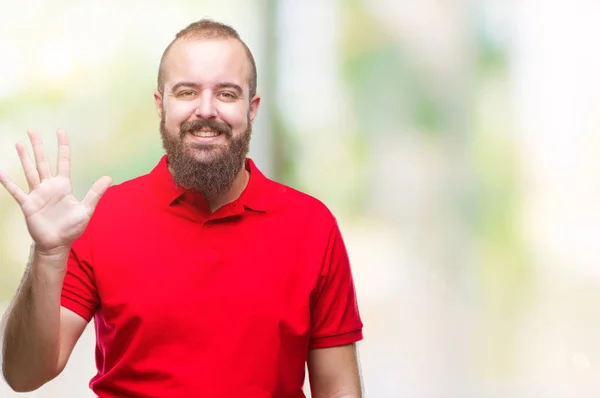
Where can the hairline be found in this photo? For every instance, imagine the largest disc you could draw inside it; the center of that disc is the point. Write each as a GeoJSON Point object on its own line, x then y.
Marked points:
{"type": "Point", "coordinates": [207, 36]}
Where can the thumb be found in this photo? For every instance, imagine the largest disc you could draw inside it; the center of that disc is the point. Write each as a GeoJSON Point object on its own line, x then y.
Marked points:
{"type": "Point", "coordinates": [93, 196]}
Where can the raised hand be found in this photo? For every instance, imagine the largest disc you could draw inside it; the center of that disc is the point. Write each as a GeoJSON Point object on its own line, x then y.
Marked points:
{"type": "Point", "coordinates": [54, 217]}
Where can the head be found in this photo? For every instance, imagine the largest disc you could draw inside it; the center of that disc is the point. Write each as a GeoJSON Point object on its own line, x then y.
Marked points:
{"type": "Point", "coordinates": [206, 99]}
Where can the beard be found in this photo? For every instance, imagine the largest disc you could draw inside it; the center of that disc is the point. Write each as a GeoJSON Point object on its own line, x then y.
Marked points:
{"type": "Point", "coordinates": [214, 171]}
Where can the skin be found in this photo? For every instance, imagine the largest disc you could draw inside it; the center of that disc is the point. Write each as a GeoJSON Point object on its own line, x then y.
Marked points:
{"type": "Point", "coordinates": [208, 80]}
{"type": "Point", "coordinates": [205, 80]}
{"type": "Point", "coordinates": [39, 334]}
{"type": "Point", "coordinates": [334, 372]}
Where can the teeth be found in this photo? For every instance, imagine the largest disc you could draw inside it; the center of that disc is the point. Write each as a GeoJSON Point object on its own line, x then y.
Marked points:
{"type": "Point", "coordinates": [205, 134]}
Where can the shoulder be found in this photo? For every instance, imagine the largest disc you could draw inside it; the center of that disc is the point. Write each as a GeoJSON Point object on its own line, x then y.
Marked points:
{"type": "Point", "coordinates": [300, 205]}
{"type": "Point", "coordinates": [119, 201]}
{"type": "Point", "coordinates": [126, 190]}
{"type": "Point", "coordinates": [124, 200]}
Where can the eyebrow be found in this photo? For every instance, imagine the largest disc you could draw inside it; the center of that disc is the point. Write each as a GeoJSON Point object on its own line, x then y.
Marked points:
{"type": "Point", "coordinates": [233, 86]}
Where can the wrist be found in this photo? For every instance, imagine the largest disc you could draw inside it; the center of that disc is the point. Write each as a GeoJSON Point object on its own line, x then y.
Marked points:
{"type": "Point", "coordinates": [54, 259]}
{"type": "Point", "coordinates": [58, 253]}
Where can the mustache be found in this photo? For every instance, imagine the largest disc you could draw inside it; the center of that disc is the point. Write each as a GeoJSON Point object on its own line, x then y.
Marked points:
{"type": "Point", "coordinates": [194, 125]}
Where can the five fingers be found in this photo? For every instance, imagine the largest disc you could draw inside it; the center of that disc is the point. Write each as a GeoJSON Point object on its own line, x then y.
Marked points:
{"type": "Point", "coordinates": [36, 172]}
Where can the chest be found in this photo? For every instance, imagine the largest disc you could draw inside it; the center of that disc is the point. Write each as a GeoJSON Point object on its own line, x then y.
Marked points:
{"type": "Point", "coordinates": [206, 278]}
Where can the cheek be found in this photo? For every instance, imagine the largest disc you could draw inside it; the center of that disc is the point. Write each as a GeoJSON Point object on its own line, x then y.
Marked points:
{"type": "Point", "coordinates": [235, 116]}
{"type": "Point", "coordinates": [175, 115]}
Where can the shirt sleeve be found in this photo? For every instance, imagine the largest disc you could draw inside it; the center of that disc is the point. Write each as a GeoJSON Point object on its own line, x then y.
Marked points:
{"type": "Point", "coordinates": [79, 292]}
{"type": "Point", "coordinates": [335, 318]}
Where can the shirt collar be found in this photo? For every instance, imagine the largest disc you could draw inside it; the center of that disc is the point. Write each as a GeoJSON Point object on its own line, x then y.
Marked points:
{"type": "Point", "coordinates": [254, 197]}
{"type": "Point", "coordinates": [257, 192]}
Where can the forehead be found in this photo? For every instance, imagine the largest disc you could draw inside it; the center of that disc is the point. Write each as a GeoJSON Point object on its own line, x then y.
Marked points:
{"type": "Point", "coordinates": [207, 61]}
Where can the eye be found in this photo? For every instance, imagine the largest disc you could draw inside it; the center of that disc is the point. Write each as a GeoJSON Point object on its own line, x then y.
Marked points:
{"type": "Point", "coordinates": [227, 95]}
{"type": "Point", "coordinates": [186, 94]}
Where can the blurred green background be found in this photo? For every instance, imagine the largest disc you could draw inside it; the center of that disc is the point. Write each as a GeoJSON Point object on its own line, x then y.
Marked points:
{"type": "Point", "coordinates": [455, 140]}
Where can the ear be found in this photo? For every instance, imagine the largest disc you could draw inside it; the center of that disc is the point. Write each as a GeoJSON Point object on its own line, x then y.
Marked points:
{"type": "Point", "coordinates": [254, 105]}
{"type": "Point", "coordinates": [158, 102]}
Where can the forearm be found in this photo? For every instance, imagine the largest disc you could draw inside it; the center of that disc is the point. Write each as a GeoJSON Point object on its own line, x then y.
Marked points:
{"type": "Point", "coordinates": [334, 372]}
{"type": "Point", "coordinates": [337, 389]}
{"type": "Point", "coordinates": [345, 394]}
{"type": "Point", "coordinates": [31, 343]}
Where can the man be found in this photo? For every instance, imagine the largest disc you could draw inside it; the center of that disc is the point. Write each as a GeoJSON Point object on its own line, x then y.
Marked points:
{"type": "Point", "coordinates": [204, 278]}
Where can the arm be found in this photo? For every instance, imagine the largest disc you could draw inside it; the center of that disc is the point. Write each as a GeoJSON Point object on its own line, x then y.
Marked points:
{"type": "Point", "coordinates": [334, 372]}
{"type": "Point", "coordinates": [336, 326]}
{"type": "Point", "coordinates": [40, 335]}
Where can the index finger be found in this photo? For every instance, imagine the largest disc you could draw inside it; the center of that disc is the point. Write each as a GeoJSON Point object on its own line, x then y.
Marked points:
{"type": "Point", "coordinates": [63, 166]}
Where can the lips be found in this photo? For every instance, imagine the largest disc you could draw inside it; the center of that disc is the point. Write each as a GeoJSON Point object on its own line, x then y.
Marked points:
{"type": "Point", "coordinates": [205, 133]}
{"type": "Point", "coordinates": [205, 129]}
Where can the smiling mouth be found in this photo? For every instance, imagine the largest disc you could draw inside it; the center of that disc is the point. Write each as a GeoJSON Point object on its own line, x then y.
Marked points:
{"type": "Point", "coordinates": [205, 134]}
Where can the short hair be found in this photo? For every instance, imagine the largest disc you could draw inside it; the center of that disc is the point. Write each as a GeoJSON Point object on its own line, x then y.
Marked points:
{"type": "Point", "coordinates": [208, 29]}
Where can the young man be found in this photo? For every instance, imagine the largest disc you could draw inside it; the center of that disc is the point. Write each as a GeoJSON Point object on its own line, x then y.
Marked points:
{"type": "Point", "coordinates": [203, 277]}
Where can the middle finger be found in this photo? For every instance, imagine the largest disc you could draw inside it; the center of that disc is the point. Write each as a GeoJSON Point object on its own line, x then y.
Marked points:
{"type": "Point", "coordinates": [41, 159]}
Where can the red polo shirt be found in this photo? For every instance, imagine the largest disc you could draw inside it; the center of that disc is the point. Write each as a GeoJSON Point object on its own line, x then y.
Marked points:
{"type": "Point", "coordinates": [192, 304]}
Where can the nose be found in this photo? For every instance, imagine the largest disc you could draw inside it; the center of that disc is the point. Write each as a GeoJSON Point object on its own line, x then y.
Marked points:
{"type": "Point", "coordinates": [206, 108]}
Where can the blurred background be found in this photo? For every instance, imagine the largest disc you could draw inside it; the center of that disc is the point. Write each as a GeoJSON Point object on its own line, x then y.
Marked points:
{"type": "Point", "coordinates": [455, 141]}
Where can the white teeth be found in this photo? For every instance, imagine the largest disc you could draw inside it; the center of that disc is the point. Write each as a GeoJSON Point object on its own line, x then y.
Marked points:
{"type": "Point", "coordinates": [205, 134]}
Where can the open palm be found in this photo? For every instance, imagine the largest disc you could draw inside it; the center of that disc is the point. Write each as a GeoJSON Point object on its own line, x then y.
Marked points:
{"type": "Point", "coordinates": [55, 218]}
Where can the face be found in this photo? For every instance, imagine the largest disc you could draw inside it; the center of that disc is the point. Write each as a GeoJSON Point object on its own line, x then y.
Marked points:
{"type": "Point", "coordinates": [206, 115]}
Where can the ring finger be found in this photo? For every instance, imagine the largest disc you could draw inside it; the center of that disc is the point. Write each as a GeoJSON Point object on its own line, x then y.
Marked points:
{"type": "Point", "coordinates": [31, 173]}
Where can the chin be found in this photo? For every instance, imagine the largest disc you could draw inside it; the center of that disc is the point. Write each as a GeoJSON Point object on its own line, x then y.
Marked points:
{"type": "Point", "coordinates": [205, 155]}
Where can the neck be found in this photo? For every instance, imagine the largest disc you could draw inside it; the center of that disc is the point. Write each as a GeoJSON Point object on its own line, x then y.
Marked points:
{"type": "Point", "coordinates": [236, 188]}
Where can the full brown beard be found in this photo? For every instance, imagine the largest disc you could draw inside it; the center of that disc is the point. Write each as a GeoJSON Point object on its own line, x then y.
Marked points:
{"type": "Point", "coordinates": [215, 175]}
